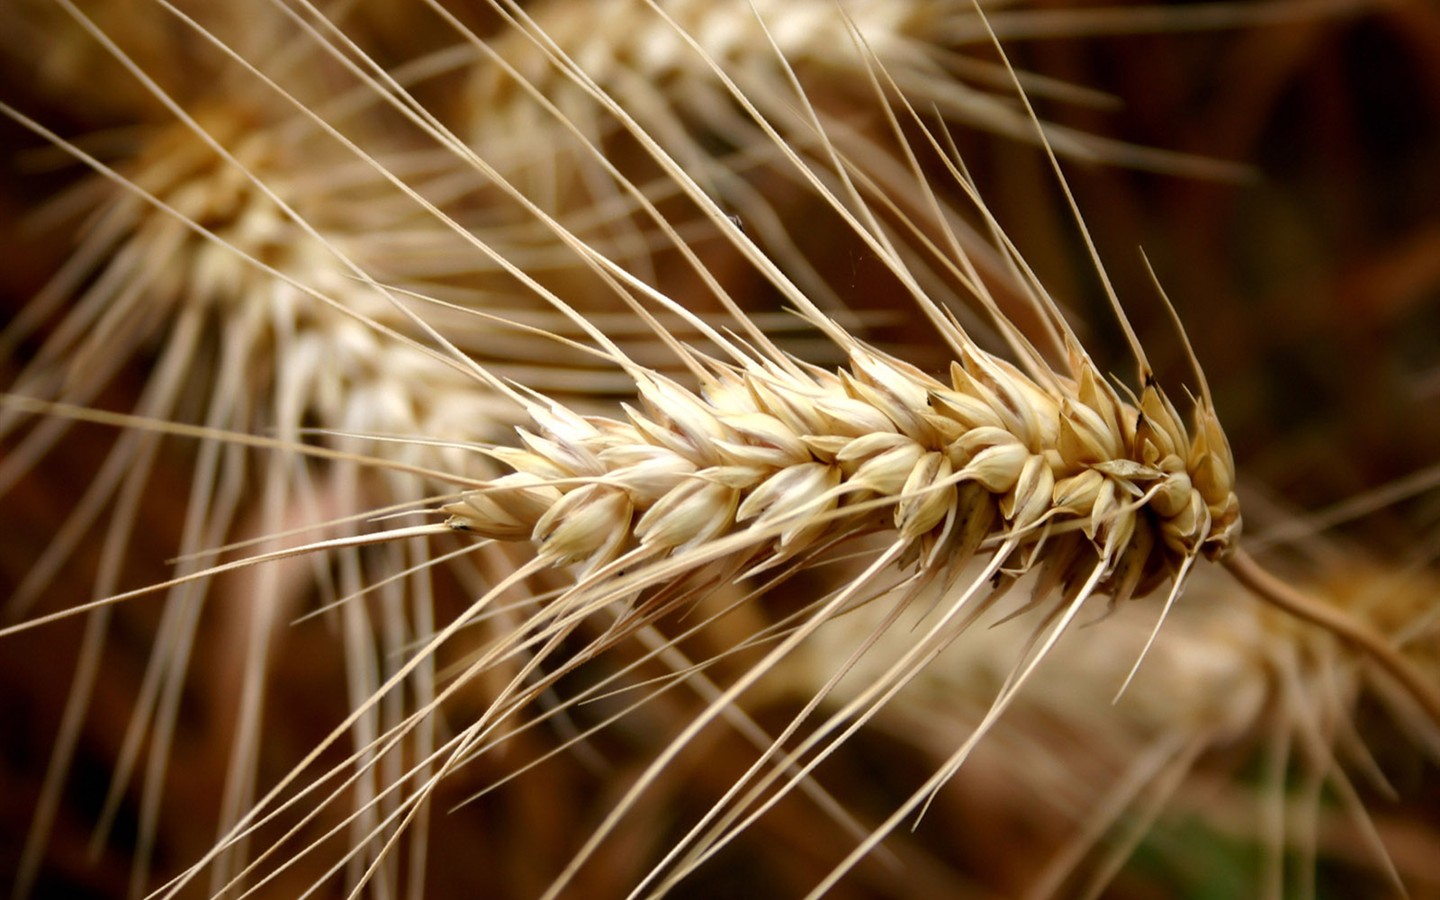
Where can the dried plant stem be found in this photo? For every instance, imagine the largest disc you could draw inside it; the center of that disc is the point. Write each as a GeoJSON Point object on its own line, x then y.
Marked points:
{"type": "Point", "coordinates": [1270, 589]}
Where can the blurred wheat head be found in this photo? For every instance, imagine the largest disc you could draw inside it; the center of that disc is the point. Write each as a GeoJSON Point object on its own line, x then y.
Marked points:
{"type": "Point", "coordinates": [352, 260]}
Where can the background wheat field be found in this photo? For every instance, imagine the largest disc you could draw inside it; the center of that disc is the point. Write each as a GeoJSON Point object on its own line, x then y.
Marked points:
{"type": "Point", "coordinates": [1299, 242]}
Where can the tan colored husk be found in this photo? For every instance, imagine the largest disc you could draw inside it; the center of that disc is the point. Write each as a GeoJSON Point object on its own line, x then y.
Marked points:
{"type": "Point", "coordinates": [803, 457]}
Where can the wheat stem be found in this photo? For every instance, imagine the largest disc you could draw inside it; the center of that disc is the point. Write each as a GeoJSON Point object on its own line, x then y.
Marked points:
{"type": "Point", "coordinates": [1265, 586]}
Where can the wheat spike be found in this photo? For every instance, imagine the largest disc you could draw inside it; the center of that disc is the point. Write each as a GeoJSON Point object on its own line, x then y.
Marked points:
{"type": "Point", "coordinates": [236, 240]}
{"type": "Point", "coordinates": [800, 459]}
